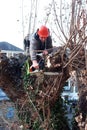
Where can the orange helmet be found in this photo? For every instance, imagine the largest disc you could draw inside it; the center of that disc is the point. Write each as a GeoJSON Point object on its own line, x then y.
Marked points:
{"type": "Point", "coordinates": [43, 31]}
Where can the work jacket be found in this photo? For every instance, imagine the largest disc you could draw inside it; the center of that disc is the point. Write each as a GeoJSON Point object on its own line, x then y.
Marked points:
{"type": "Point", "coordinates": [36, 44]}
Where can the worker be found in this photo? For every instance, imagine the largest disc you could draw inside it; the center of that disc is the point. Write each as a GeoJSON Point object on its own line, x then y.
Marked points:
{"type": "Point", "coordinates": [40, 40]}
{"type": "Point", "coordinates": [26, 43]}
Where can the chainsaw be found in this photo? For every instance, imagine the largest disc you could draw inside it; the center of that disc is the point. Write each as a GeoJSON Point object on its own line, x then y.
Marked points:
{"type": "Point", "coordinates": [41, 62]}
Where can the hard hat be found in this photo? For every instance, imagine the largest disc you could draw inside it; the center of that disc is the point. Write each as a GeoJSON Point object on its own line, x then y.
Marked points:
{"type": "Point", "coordinates": [43, 31]}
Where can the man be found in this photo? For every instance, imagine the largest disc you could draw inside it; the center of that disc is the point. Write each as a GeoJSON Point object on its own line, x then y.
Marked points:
{"type": "Point", "coordinates": [26, 43]}
{"type": "Point", "coordinates": [41, 40]}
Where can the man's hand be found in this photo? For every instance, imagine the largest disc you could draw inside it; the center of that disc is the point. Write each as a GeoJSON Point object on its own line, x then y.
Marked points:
{"type": "Point", "coordinates": [45, 52]}
{"type": "Point", "coordinates": [35, 64]}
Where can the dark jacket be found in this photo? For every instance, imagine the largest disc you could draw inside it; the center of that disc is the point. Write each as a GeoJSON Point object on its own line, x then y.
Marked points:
{"type": "Point", "coordinates": [36, 44]}
{"type": "Point", "coordinates": [26, 42]}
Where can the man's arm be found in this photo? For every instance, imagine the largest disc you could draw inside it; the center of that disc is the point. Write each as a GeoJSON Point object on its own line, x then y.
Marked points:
{"type": "Point", "coordinates": [33, 47]}
{"type": "Point", "coordinates": [49, 44]}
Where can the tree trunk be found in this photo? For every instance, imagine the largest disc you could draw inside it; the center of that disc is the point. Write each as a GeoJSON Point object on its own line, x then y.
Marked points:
{"type": "Point", "coordinates": [82, 104]}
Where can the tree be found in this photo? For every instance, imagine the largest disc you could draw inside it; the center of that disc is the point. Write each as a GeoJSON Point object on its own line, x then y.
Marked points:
{"type": "Point", "coordinates": [41, 90]}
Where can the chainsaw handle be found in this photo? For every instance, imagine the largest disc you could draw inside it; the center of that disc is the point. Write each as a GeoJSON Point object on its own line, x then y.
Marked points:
{"type": "Point", "coordinates": [31, 69]}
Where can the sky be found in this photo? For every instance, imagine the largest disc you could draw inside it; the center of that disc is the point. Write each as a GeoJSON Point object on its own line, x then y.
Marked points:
{"type": "Point", "coordinates": [11, 24]}
{"type": "Point", "coordinates": [13, 17]}
{"type": "Point", "coordinates": [9, 10]}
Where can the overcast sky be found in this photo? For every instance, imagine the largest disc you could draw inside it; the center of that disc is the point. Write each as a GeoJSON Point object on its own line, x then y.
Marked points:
{"type": "Point", "coordinates": [11, 29]}
{"type": "Point", "coordinates": [11, 20]}
{"type": "Point", "coordinates": [9, 10]}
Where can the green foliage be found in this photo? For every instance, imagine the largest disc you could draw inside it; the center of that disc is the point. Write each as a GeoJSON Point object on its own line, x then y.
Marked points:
{"type": "Point", "coordinates": [74, 123]}
{"type": "Point", "coordinates": [36, 125]}
{"type": "Point", "coordinates": [59, 120]}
